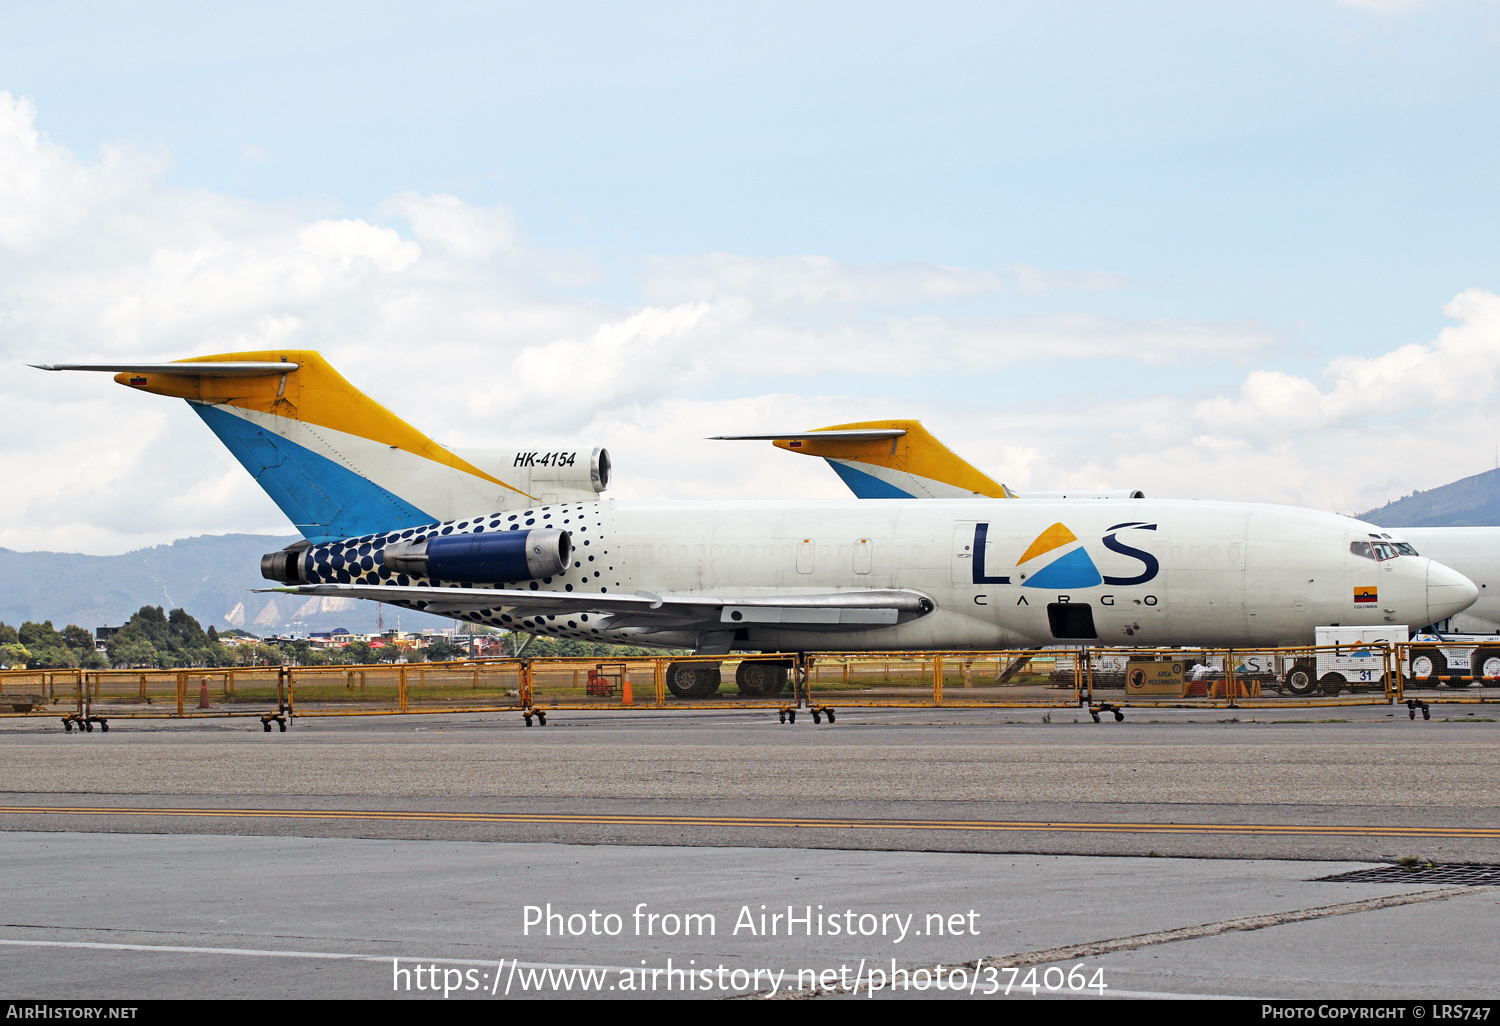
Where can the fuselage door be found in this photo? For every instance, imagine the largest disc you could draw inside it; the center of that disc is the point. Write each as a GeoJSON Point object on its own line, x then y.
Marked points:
{"type": "Point", "coordinates": [963, 555]}
{"type": "Point", "coordinates": [864, 556]}
{"type": "Point", "coordinates": [975, 560]}
{"type": "Point", "coordinates": [805, 556]}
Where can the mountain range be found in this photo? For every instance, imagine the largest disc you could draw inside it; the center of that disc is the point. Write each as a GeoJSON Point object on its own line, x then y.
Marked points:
{"type": "Point", "coordinates": [213, 577]}
{"type": "Point", "coordinates": [1471, 502]}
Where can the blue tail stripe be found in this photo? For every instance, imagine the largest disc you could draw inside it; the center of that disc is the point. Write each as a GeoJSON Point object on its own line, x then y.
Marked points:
{"type": "Point", "coordinates": [324, 500]}
{"type": "Point", "coordinates": [867, 486]}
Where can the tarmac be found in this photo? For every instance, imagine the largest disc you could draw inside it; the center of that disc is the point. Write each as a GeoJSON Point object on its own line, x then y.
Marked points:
{"type": "Point", "coordinates": [1180, 852]}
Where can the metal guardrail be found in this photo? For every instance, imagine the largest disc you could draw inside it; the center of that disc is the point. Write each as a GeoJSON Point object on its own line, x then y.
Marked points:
{"type": "Point", "coordinates": [1446, 673]}
{"type": "Point", "coordinates": [1103, 680]}
{"type": "Point", "coordinates": [84, 698]}
{"type": "Point", "coordinates": [1000, 679]}
{"type": "Point", "coordinates": [1241, 678]}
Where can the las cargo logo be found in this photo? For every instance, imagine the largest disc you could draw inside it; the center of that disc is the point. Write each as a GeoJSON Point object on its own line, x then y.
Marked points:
{"type": "Point", "coordinates": [1364, 595]}
{"type": "Point", "coordinates": [1056, 560]}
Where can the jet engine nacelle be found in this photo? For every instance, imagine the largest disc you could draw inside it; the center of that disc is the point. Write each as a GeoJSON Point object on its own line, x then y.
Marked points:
{"type": "Point", "coordinates": [546, 476]}
{"type": "Point", "coordinates": [494, 558]}
{"type": "Point", "coordinates": [483, 558]}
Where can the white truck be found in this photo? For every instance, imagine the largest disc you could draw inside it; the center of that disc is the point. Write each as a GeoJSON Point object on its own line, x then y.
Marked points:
{"type": "Point", "coordinates": [1357, 657]}
{"type": "Point", "coordinates": [1344, 661]}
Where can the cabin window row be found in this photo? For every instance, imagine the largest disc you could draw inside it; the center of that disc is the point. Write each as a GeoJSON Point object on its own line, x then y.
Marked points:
{"type": "Point", "coordinates": [862, 554]}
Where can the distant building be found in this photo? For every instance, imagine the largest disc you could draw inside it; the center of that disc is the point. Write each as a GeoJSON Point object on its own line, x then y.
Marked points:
{"type": "Point", "coordinates": [102, 636]}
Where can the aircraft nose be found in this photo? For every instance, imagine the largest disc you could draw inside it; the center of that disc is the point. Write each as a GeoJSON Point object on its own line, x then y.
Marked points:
{"type": "Point", "coordinates": [1448, 592]}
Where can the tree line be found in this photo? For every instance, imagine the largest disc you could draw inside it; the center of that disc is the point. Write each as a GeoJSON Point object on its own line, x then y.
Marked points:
{"type": "Point", "coordinates": [158, 639]}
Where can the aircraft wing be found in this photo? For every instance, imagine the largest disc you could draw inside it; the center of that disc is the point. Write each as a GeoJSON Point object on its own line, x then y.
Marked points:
{"type": "Point", "coordinates": [849, 610]}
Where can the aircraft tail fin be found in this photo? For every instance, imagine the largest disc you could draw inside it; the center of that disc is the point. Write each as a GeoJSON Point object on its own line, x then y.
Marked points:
{"type": "Point", "coordinates": [889, 459]}
{"type": "Point", "coordinates": [335, 461]}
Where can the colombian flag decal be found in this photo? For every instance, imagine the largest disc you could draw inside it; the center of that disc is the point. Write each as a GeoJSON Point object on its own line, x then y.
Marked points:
{"type": "Point", "coordinates": [1362, 595]}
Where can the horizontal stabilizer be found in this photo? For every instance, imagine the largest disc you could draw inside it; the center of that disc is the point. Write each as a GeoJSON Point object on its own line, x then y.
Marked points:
{"type": "Point", "coordinates": [220, 369]}
{"type": "Point", "coordinates": [862, 435]}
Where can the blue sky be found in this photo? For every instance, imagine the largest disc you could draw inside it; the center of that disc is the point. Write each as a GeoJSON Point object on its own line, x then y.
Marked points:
{"type": "Point", "coordinates": [1274, 185]}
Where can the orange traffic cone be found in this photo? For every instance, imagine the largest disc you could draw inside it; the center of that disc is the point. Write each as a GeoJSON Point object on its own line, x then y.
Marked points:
{"type": "Point", "coordinates": [626, 697]}
{"type": "Point", "coordinates": [203, 693]}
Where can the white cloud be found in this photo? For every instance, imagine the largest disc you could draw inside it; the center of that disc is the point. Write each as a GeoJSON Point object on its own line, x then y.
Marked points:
{"type": "Point", "coordinates": [454, 319]}
{"type": "Point", "coordinates": [1459, 370]}
{"type": "Point", "coordinates": [1033, 281]}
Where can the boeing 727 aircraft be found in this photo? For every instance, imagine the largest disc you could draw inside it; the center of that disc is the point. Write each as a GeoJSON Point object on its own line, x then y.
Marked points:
{"type": "Point", "coordinates": [794, 576]}
{"type": "Point", "coordinates": [901, 459]}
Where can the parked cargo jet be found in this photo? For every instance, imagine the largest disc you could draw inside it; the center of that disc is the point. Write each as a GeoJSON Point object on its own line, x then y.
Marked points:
{"type": "Point", "coordinates": [900, 458]}
{"type": "Point", "coordinates": [841, 574]}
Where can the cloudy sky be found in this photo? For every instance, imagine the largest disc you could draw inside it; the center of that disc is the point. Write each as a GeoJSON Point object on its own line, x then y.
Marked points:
{"type": "Point", "coordinates": [1232, 250]}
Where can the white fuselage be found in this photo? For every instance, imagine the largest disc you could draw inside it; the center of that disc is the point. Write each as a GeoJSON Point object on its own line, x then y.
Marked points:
{"type": "Point", "coordinates": [1473, 552]}
{"type": "Point", "coordinates": [1149, 572]}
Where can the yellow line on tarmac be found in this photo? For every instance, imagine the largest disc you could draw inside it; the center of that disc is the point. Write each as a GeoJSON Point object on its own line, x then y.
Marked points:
{"type": "Point", "coordinates": [581, 819]}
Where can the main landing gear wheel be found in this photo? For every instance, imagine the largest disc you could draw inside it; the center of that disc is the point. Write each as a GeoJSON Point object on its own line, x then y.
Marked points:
{"type": "Point", "coordinates": [761, 679]}
{"type": "Point", "coordinates": [1301, 680]}
{"type": "Point", "coordinates": [1427, 667]}
{"type": "Point", "coordinates": [1486, 663]}
{"type": "Point", "coordinates": [693, 680]}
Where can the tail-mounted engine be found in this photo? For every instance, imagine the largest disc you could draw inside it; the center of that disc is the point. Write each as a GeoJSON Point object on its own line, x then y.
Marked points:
{"type": "Point", "coordinates": [488, 558]}
{"type": "Point", "coordinates": [483, 558]}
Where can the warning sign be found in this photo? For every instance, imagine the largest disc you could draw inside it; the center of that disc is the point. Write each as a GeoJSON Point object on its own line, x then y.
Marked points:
{"type": "Point", "coordinates": [1153, 677]}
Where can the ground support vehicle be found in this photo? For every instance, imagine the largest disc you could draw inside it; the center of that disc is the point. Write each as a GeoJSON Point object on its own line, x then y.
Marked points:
{"type": "Point", "coordinates": [1456, 661]}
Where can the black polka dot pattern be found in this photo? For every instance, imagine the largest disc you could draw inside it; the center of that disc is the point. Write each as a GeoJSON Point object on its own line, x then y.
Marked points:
{"type": "Point", "coordinates": [361, 561]}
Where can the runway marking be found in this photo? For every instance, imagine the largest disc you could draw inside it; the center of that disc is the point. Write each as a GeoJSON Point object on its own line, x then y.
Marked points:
{"type": "Point", "coordinates": [180, 949]}
{"type": "Point", "coordinates": [579, 819]}
{"type": "Point", "coordinates": [1069, 952]}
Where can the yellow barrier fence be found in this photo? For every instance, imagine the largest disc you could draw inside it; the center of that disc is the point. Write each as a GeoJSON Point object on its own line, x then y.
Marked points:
{"type": "Point", "coordinates": [87, 697]}
{"type": "Point", "coordinates": [1022, 678]}
{"type": "Point", "coordinates": [488, 685]}
{"type": "Point", "coordinates": [1447, 672]}
{"type": "Point", "coordinates": [1104, 679]}
{"type": "Point", "coordinates": [747, 681]}
{"type": "Point", "coordinates": [1326, 675]}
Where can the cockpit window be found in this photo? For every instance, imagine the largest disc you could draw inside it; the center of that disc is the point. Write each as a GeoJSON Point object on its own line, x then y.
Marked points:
{"type": "Point", "coordinates": [1405, 548]}
{"type": "Point", "coordinates": [1379, 550]}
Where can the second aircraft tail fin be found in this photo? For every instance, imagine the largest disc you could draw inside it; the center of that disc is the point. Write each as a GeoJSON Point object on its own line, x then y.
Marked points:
{"type": "Point", "coordinates": [889, 459]}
